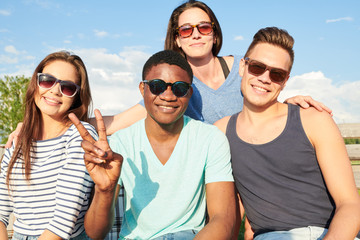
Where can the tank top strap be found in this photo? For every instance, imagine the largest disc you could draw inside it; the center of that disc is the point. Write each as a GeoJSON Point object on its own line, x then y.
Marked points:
{"type": "Point", "coordinates": [224, 66]}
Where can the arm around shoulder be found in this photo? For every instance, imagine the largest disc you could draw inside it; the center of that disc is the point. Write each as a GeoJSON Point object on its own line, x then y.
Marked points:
{"type": "Point", "coordinates": [123, 119]}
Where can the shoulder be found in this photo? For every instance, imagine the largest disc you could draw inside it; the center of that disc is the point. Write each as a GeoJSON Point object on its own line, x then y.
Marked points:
{"type": "Point", "coordinates": [317, 124]}
{"type": "Point", "coordinates": [229, 60]}
{"type": "Point", "coordinates": [202, 131]}
{"type": "Point", "coordinates": [222, 123]}
{"type": "Point", "coordinates": [72, 133]}
{"type": "Point", "coordinates": [130, 131]}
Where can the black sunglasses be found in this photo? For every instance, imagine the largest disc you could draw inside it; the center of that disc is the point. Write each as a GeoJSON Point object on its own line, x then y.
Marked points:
{"type": "Point", "coordinates": [257, 68]}
{"type": "Point", "coordinates": [158, 86]}
{"type": "Point", "coordinates": [67, 88]}
{"type": "Point", "coordinates": [204, 28]}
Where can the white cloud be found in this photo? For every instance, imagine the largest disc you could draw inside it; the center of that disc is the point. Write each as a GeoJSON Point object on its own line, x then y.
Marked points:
{"type": "Point", "coordinates": [238, 38]}
{"type": "Point", "coordinates": [100, 34]}
{"type": "Point", "coordinates": [2, 30]}
{"type": "Point", "coordinates": [114, 78]}
{"type": "Point", "coordinates": [5, 12]}
{"type": "Point", "coordinates": [11, 49]}
{"type": "Point", "coordinates": [339, 19]}
{"type": "Point", "coordinates": [8, 60]}
{"type": "Point", "coordinates": [343, 99]}
{"type": "Point", "coordinates": [67, 41]}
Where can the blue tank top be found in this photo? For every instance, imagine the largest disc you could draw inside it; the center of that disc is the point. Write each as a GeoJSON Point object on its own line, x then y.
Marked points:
{"type": "Point", "coordinates": [280, 182]}
{"type": "Point", "coordinates": [209, 105]}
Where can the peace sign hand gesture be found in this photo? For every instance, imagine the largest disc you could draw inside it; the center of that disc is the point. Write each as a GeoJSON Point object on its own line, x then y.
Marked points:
{"type": "Point", "coordinates": [102, 163]}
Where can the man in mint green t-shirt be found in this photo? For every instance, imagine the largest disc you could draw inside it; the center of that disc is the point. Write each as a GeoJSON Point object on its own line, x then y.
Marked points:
{"type": "Point", "coordinates": [172, 167]}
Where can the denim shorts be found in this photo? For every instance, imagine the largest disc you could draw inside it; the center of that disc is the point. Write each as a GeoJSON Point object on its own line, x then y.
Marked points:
{"type": "Point", "coordinates": [305, 233]}
{"type": "Point", "coordinates": [182, 235]}
{"type": "Point", "coordinates": [19, 236]}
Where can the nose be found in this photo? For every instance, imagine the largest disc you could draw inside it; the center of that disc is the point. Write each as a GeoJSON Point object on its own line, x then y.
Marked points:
{"type": "Point", "coordinates": [265, 77]}
{"type": "Point", "coordinates": [196, 34]}
{"type": "Point", "coordinates": [168, 95]}
{"type": "Point", "coordinates": [56, 89]}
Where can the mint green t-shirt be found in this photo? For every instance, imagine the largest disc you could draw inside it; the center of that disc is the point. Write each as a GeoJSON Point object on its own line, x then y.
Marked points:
{"type": "Point", "coordinates": [161, 199]}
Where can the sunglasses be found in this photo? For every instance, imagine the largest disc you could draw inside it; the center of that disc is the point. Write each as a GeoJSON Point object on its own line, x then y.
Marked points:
{"type": "Point", "coordinates": [187, 30]}
{"type": "Point", "coordinates": [67, 88]}
{"type": "Point", "coordinates": [257, 68]}
{"type": "Point", "coordinates": [158, 86]}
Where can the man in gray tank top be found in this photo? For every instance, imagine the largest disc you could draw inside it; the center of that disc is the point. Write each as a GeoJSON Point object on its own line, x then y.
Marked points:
{"type": "Point", "coordinates": [290, 165]}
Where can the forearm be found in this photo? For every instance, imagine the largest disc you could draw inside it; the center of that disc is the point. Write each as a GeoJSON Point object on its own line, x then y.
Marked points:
{"type": "Point", "coordinates": [217, 228]}
{"type": "Point", "coordinates": [48, 235]}
{"type": "Point", "coordinates": [346, 222]}
{"type": "Point", "coordinates": [3, 232]}
{"type": "Point", "coordinates": [100, 215]}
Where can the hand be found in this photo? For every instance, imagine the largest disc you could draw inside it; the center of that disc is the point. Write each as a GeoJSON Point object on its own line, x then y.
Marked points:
{"type": "Point", "coordinates": [14, 136]}
{"type": "Point", "coordinates": [102, 163]}
{"type": "Point", "coordinates": [306, 102]}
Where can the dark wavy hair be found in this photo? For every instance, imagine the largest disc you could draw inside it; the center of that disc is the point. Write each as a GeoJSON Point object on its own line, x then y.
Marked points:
{"type": "Point", "coordinates": [170, 40]}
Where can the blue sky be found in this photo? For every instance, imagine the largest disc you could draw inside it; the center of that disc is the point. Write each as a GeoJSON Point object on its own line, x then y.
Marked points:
{"type": "Point", "coordinates": [115, 38]}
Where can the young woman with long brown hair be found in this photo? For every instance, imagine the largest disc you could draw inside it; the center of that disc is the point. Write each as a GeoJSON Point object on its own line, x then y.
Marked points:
{"type": "Point", "coordinates": [43, 179]}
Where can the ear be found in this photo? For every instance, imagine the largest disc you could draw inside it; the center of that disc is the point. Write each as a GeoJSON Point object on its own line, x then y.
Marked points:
{"type": "Point", "coordinates": [190, 91]}
{"type": "Point", "coordinates": [242, 67]}
{"type": "Point", "coordinates": [284, 83]}
{"type": "Point", "coordinates": [142, 88]}
{"type": "Point", "coordinates": [214, 40]}
{"type": "Point", "coordinates": [178, 41]}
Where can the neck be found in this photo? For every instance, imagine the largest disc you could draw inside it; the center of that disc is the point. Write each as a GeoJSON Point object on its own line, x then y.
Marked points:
{"type": "Point", "coordinates": [51, 128]}
{"type": "Point", "coordinates": [260, 114]}
{"type": "Point", "coordinates": [208, 70]}
{"type": "Point", "coordinates": [163, 132]}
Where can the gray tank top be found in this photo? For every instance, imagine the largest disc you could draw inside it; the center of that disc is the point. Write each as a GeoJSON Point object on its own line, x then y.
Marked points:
{"type": "Point", "coordinates": [280, 182]}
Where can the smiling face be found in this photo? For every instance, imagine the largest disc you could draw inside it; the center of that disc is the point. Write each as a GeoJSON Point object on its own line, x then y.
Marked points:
{"type": "Point", "coordinates": [260, 91]}
{"type": "Point", "coordinates": [166, 108]}
{"type": "Point", "coordinates": [51, 102]}
{"type": "Point", "coordinates": [197, 45]}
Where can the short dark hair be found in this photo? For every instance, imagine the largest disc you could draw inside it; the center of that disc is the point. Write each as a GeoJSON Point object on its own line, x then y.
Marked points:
{"type": "Point", "coordinates": [170, 57]}
{"type": "Point", "coordinates": [275, 36]}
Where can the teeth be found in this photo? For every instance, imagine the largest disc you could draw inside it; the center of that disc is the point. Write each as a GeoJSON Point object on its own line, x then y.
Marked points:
{"type": "Point", "coordinates": [167, 107]}
{"type": "Point", "coordinates": [260, 89]}
{"type": "Point", "coordinates": [50, 100]}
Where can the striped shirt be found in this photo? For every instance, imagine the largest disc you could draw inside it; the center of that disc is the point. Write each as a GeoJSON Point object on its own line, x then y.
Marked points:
{"type": "Point", "coordinates": [57, 196]}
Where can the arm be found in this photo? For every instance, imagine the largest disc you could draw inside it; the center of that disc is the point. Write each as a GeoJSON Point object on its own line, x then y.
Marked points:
{"type": "Point", "coordinates": [306, 102]}
{"type": "Point", "coordinates": [220, 199]}
{"type": "Point", "coordinates": [122, 120]}
{"type": "Point", "coordinates": [336, 169]}
{"type": "Point", "coordinates": [3, 232]}
{"type": "Point", "coordinates": [104, 167]}
{"type": "Point", "coordinates": [48, 235]}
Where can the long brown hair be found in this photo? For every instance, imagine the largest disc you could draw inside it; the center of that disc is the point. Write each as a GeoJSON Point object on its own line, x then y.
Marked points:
{"type": "Point", "coordinates": [170, 40]}
{"type": "Point", "coordinates": [32, 121]}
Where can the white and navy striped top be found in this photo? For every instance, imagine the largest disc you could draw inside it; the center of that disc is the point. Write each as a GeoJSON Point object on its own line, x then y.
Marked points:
{"type": "Point", "coordinates": [57, 196]}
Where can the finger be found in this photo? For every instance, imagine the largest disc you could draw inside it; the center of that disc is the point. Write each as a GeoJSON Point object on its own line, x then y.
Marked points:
{"type": "Point", "coordinates": [100, 125]}
{"type": "Point", "coordinates": [9, 141]}
{"type": "Point", "coordinates": [14, 136]}
{"type": "Point", "coordinates": [94, 150]}
{"type": "Point", "coordinates": [82, 130]}
{"type": "Point", "coordinates": [88, 158]}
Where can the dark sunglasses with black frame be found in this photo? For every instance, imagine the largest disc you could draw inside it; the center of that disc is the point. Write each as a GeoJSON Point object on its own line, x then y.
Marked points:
{"type": "Point", "coordinates": [158, 86]}
{"type": "Point", "coordinates": [277, 75]}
